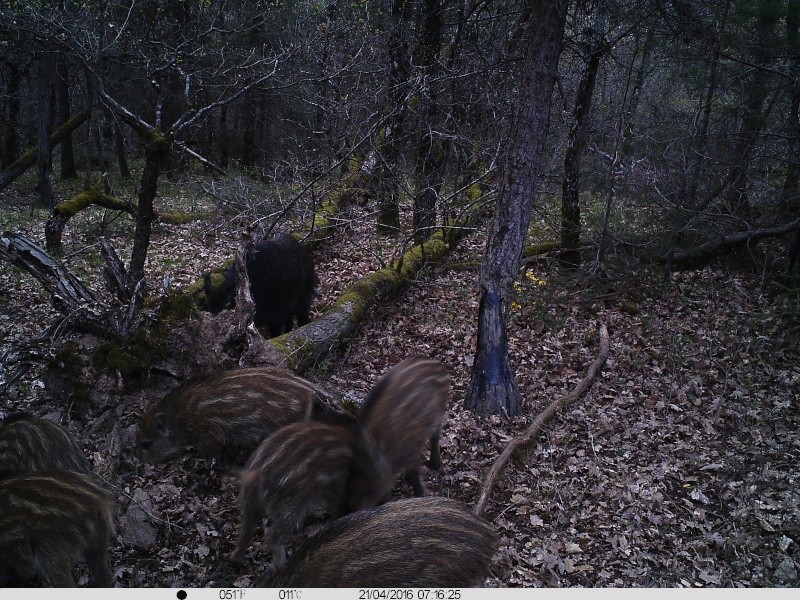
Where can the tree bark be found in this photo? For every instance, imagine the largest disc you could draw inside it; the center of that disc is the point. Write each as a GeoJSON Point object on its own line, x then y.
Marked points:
{"type": "Point", "coordinates": [45, 84]}
{"type": "Point", "coordinates": [789, 195]}
{"type": "Point", "coordinates": [570, 258]}
{"type": "Point", "coordinates": [697, 156]}
{"type": "Point", "coordinates": [156, 152]}
{"type": "Point", "coordinates": [736, 198]}
{"type": "Point", "coordinates": [224, 153]}
{"type": "Point", "coordinates": [68, 170]}
{"type": "Point", "coordinates": [10, 137]}
{"type": "Point", "coordinates": [248, 155]}
{"type": "Point", "coordinates": [704, 252]}
{"type": "Point", "coordinates": [67, 291]}
{"type": "Point", "coordinates": [119, 144]}
{"type": "Point", "coordinates": [493, 388]}
{"type": "Point", "coordinates": [387, 145]}
{"type": "Point", "coordinates": [62, 213]}
{"type": "Point", "coordinates": [429, 152]}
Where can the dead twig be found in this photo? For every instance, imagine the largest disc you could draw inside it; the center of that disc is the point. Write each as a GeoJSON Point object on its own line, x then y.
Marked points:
{"type": "Point", "coordinates": [541, 420]}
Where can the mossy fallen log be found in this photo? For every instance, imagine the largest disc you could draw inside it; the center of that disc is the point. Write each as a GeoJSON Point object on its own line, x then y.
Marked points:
{"type": "Point", "coordinates": [299, 349]}
{"type": "Point", "coordinates": [319, 228]}
{"type": "Point", "coordinates": [54, 228]}
{"type": "Point", "coordinates": [62, 213]}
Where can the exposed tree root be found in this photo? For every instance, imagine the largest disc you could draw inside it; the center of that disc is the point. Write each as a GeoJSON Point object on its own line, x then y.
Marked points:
{"type": "Point", "coordinates": [541, 420]}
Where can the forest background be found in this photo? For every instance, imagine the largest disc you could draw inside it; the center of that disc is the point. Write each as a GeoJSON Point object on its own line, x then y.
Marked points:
{"type": "Point", "coordinates": [141, 139]}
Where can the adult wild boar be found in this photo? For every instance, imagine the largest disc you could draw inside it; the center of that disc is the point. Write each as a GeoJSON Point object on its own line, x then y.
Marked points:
{"type": "Point", "coordinates": [282, 281]}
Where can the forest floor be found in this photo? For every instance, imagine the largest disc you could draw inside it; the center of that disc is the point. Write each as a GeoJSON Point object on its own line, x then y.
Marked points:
{"type": "Point", "coordinates": [679, 468]}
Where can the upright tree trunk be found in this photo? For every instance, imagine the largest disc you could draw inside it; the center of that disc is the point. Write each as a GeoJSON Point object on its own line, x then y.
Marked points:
{"type": "Point", "coordinates": [789, 192]}
{"type": "Point", "coordinates": [248, 156]}
{"type": "Point", "coordinates": [119, 144]}
{"type": "Point", "coordinates": [493, 388]}
{"type": "Point", "coordinates": [324, 115]}
{"type": "Point", "coordinates": [224, 154]}
{"type": "Point", "coordinates": [44, 83]}
{"type": "Point", "coordinates": [576, 144]}
{"type": "Point", "coordinates": [641, 76]}
{"type": "Point", "coordinates": [68, 170]}
{"type": "Point", "coordinates": [388, 145]}
{"type": "Point", "coordinates": [156, 153]}
{"type": "Point", "coordinates": [27, 160]}
{"type": "Point", "coordinates": [429, 151]}
{"type": "Point", "coordinates": [697, 152]}
{"type": "Point", "coordinates": [754, 113]}
{"type": "Point", "coordinates": [91, 94]}
{"type": "Point", "coordinates": [9, 131]}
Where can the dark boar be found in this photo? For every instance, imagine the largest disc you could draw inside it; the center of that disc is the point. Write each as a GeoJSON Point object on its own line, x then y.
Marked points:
{"type": "Point", "coordinates": [48, 522]}
{"type": "Point", "coordinates": [239, 407]}
{"type": "Point", "coordinates": [304, 467]}
{"type": "Point", "coordinates": [415, 542]}
{"type": "Point", "coordinates": [405, 409]}
{"type": "Point", "coordinates": [28, 443]}
{"type": "Point", "coordinates": [282, 281]}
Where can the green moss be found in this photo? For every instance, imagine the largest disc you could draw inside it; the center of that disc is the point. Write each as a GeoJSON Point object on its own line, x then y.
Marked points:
{"type": "Point", "coordinates": [133, 356]}
{"type": "Point", "coordinates": [290, 347]}
{"type": "Point", "coordinates": [433, 249]}
{"type": "Point", "coordinates": [475, 191]}
{"type": "Point", "coordinates": [130, 357]}
{"type": "Point", "coordinates": [176, 307]}
{"type": "Point", "coordinates": [86, 198]}
{"type": "Point", "coordinates": [539, 249]}
{"type": "Point", "coordinates": [75, 204]}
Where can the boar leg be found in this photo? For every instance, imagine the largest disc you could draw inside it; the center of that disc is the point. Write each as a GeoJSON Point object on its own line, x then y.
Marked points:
{"type": "Point", "coordinates": [284, 521]}
{"type": "Point", "coordinates": [275, 328]}
{"type": "Point", "coordinates": [415, 481]}
{"type": "Point", "coordinates": [252, 515]}
{"type": "Point", "coordinates": [303, 309]}
{"type": "Point", "coordinates": [58, 570]}
{"type": "Point", "coordinates": [435, 461]}
{"type": "Point", "coordinates": [278, 555]}
{"type": "Point", "coordinates": [97, 559]}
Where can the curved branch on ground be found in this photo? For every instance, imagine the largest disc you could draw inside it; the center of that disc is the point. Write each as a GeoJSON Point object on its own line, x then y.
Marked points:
{"type": "Point", "coordinates": [541, 420]}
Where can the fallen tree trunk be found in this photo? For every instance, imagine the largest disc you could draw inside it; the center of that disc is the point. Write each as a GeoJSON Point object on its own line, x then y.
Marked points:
{"type": "Point", "coordinates": [541, 420]}
{"type": "Point", "coordinates": [319, 228]}
{"type": "Point", "coordinates": [66, 290]}
{"type": "Point", "coordinates": [27, 160]}
{"type": "Point", "coordinates": [708, 250]}
{"type": "Point", "coordinates": [62, 213]}
{"type": "Point", "coordinates": [300, 348]}
{"type": "Point", "coordinates": [54, 228]}
{"type": "Point", "coordinates": [75, 302]}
